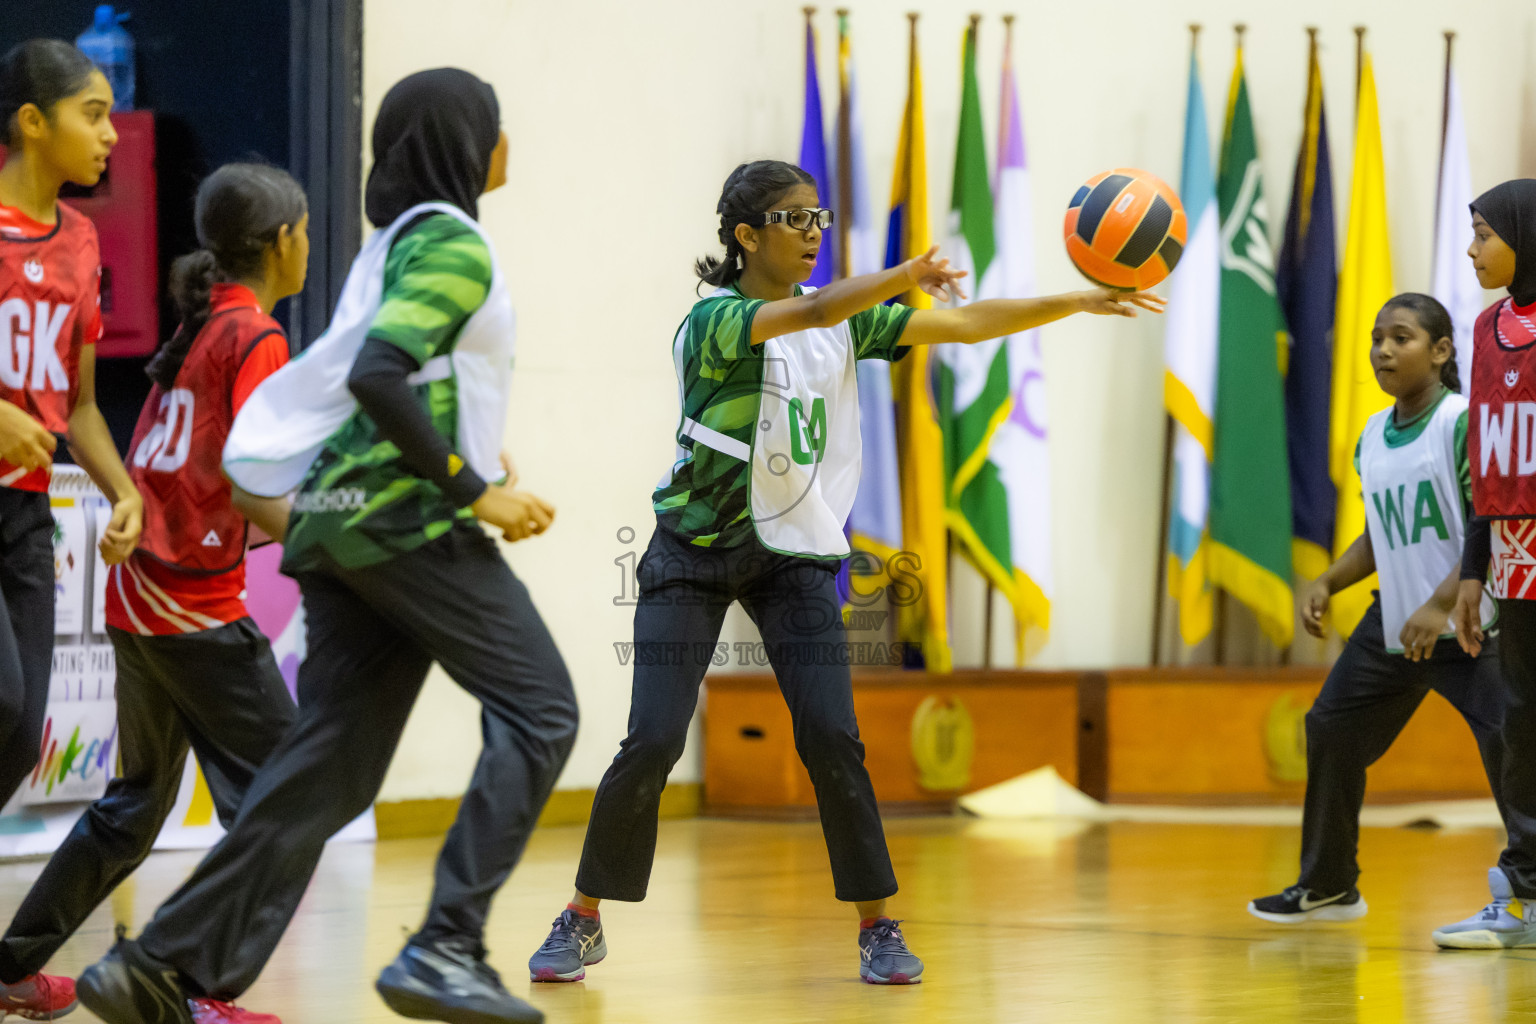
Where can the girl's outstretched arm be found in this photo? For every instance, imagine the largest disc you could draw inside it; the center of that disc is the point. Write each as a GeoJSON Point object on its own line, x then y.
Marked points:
{"type": "Point", "coordinates": [93, 447]}
{"type": "Point", "coordinates": [994, 318]}
{"type": "Point", "coordinates": [826, 307]}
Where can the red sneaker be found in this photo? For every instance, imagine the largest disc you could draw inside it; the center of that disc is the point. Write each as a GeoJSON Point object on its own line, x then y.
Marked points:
{"type": "Point", "coordinates": [38, 997]}
{"type": "Point", "coordinates": [211, 1011]}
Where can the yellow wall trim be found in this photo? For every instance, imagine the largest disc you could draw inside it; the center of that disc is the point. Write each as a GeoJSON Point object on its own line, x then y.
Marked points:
{"type": "Point", "coordinates": [412, 819]}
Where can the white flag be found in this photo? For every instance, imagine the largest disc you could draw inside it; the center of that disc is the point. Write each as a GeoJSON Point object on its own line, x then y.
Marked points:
{"type": "Point", "coordinates": [1454, 280]}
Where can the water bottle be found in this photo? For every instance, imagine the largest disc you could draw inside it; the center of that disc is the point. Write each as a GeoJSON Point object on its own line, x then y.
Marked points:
{"type": "Point", "coordinates": [108, 44]}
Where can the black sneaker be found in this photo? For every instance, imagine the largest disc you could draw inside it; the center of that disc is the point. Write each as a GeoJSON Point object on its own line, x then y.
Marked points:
{"type": "Point", "coordinates": [450, 981]}
{"type": "Point", "coordinates": [128, 986]}
{"type": "Point", "coordinates": [1298, 904]}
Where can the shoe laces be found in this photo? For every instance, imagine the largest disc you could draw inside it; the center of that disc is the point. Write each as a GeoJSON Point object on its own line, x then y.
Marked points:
{"type": "Point", "coordinates": [885, 933]}
{"type": "Point", "coordinates": [564, 932]}
{"type": "Point", "coordinates": [466, 953]}
{"type": "Point", "coordinates": [224, 1010]}
{"type": "Point", "coordinates": [1499, 905]}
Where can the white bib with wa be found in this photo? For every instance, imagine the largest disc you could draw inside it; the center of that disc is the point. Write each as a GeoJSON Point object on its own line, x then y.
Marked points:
{"type": "Point", "coordinates": [285, 423]}
{"type": "Point", "coordinates": [1414, 512]}
{"type": "Point", "coordinates": [806, 452]}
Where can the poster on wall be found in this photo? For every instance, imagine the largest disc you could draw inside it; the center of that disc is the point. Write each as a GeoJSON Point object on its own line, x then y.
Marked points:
{"type": "Point", "coordinates": [78, 755]}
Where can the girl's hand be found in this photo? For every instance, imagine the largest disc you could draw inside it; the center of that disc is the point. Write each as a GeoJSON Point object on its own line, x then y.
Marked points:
{"type": "Point", "coordinates": [23, 441]}
{"type": "Point", "coordinates": [1314, 605]}
{"type": "Point", "coordinates": [935, 276]}
{"type": "Point", "coordinates": [517, 514]}
{"type": "Point", "coordinates": [1467, 617]}
{"type": "Point", "coordinates": [1108, 302]}
{"type": "Point", "coordinates": [122, 533]}
{"type": "Point", "coordinates": [1422, 630]}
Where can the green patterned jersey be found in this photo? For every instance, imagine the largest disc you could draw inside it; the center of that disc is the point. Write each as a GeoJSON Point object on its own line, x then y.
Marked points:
{"type": "Point", "coordinates": [720, 376]}
{"type": "Point", "coordinates": [359, 503]}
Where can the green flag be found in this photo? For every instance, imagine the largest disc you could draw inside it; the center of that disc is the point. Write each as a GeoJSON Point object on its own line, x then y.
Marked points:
{"type": "Point", "coordinates": [1250, 478]}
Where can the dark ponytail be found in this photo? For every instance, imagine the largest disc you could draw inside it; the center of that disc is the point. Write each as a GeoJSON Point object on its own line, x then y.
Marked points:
{"type": "Point", "coordinates": [40, 72]}
{"type": "Point", "coordinates": [241, 210]}
{"type": "Point", "coordinates": [1436, 322]}
{"type": "Point", "coordinates": [748, 193]}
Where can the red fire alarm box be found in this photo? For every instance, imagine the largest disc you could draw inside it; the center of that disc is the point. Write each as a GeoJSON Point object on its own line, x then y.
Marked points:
{"type": "Point", "coordinates": [122, 206]}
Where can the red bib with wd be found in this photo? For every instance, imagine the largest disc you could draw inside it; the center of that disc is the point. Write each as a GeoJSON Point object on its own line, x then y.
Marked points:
{"type": "Point", "coordinates": [1501, 439]}
{"type": "Point", "coordinates": [189, 521]}
{"type": "Point", "coordinates": [50, 307]}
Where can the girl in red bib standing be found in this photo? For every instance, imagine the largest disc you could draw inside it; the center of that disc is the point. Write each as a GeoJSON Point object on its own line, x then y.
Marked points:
{"type": "Point", "coordinates": [54, 107]}
{"type": "Point", "coordinates": [1501, 446]}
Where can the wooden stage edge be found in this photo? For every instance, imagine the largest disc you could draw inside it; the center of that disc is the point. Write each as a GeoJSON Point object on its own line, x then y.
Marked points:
{"type": "Point", "coordinates": [1194, 736]}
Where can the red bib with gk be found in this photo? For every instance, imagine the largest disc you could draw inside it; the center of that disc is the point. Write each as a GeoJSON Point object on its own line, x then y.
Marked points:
{"type": "Point", "coordinates": [50, 308]}
{"type": "Point", "coordinates": [174, 460]}
{"type": "Point", "coordinates": [1501, 435]}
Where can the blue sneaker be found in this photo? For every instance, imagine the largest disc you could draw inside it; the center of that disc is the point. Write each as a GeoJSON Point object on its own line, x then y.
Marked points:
{"type": "Point", "coordinates": [575, 943]}
{"type": "Point", "coordinates": [884, 958]}
{"type": "Point", "coordinates": [1505, 923]}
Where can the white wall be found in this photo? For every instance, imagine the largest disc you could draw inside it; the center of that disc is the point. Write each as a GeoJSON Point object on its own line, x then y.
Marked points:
{"type": "Point", "coordinates": [624, 120]}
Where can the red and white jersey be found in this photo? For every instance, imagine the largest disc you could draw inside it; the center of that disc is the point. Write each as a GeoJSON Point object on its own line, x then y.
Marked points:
{"type": "Point", "coordinates": [50, 308]}
{"type": "Point", "coordinates": [1501, 415]}
{"type": "Point", "coordinates": [188, 573]}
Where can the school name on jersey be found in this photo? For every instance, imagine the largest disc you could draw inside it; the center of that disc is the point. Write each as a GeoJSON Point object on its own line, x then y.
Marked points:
{"type": "Point", "coordinates": [1392, 511]}
{"type": "Point", "coordinates": [29, 336]}
{"type": "Point", "coordinates": [343, 499]}
{"type": "Point", "coordinates": [1508, 438]}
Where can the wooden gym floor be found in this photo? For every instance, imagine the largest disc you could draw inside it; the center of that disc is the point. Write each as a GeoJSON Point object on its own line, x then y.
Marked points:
{"type": "Point", "coordinates": [1018, 921]}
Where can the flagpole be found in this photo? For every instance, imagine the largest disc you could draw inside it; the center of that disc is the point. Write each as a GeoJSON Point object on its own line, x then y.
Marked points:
{"type": "Point", "coordinates": [1445, 126]}
{"type": "Point", "coordinates": [1160, 586]}
{"type": "Point", "coordinates": [1359, 64]}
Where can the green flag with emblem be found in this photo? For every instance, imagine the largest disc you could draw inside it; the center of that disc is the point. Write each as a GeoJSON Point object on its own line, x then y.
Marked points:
{"type": "Point", "coordinates": [1250, 513]}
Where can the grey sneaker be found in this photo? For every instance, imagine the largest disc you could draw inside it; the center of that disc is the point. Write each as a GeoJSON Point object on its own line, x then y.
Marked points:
{"type": "Point", "coordinates": [449, 980]}
{"type": "Point", "coordinates": [575, 943]}
{"type": "Point", "coordinates": [1505, 923]}
{"type": "Point", "coordinates": [884, 958]}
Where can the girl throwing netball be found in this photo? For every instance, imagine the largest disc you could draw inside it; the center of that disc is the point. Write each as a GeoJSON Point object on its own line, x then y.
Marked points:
{"type": "Point", "coordinates": [54, 107]}
{"type": "Point", "coordinates": [753, 511]}
{"type": "Point", "coordinates": [1503, 252]}
{"type": "Point", "coordinates": [1413, 465]}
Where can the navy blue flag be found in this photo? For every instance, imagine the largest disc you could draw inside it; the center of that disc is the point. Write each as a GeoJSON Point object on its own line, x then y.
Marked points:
{"type": "Point", "coordinates": [1306, 279]}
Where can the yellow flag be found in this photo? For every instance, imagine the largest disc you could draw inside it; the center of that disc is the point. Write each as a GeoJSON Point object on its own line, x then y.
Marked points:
{"type": "Point", "coordinates": [1365, 284]}
{"type": "Point", "coordinates": [921, 611]}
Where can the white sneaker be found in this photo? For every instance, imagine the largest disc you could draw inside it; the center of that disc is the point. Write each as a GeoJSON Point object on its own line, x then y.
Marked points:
{"type": "Point", "coordinates": [1505, 923]}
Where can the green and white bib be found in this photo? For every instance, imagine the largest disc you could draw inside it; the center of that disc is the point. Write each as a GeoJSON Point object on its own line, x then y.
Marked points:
{"type": "Point", "coordinates": [1417, 492]}
{"type": "Point", "coordinates": [768, 440]}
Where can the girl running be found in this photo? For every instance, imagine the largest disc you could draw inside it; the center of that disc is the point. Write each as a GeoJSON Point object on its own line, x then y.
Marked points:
{"type": "Point", "coordinates": [388, 426]}
{"type": "Point", "coordinates": [192, 668]}
{"type": "Point", "coordinates": [1412, 460]}
{"type": "Point", "coordinates": [753, 511]}
{"type": "Point", "coordinates": [1503, 251]}
{"type": "Point", "coordinates": [54, 107]}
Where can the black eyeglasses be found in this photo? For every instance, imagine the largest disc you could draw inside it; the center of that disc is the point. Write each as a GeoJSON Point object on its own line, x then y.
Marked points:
{"type": "Point", "coordinates": [800, 219]}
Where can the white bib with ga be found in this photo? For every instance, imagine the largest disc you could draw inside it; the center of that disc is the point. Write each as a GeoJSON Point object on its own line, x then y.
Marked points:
{"type": "Point", "coordinates": [1414, 513]}
{"type": "Point", "coordinates": [806, 452]}
{"type": "Point", "coordinates": [283, 426]}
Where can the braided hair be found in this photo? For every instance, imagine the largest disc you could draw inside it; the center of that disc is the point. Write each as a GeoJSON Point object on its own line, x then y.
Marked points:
{"type": "Point", "coordinates": [748, 194]}
{"type": "Point", "coordinates": [241, 211]}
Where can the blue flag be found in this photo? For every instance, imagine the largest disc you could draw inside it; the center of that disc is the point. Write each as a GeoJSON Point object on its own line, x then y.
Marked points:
{"type": "Point", "coordinates": [813, 155]}
{"type": "Point", "coordinates": [1307, 280]}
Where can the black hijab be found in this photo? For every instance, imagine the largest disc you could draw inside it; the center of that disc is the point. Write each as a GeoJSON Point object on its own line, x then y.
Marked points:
{"type": "Point", "coordinates": [432, 142]}
{"type": "Point", "coordinates": [1510, 209]}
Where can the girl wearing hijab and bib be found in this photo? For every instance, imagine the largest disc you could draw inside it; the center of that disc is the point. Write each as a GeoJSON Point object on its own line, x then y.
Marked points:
{"type": "Point", "coordinates": [1413, 466]}
{"type": "Point", "coordinates": [1502, 447]}
{"type": "Point", "coordinates": [753, 511]}
{"type": "Point", "coordinates": [389, 427]}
